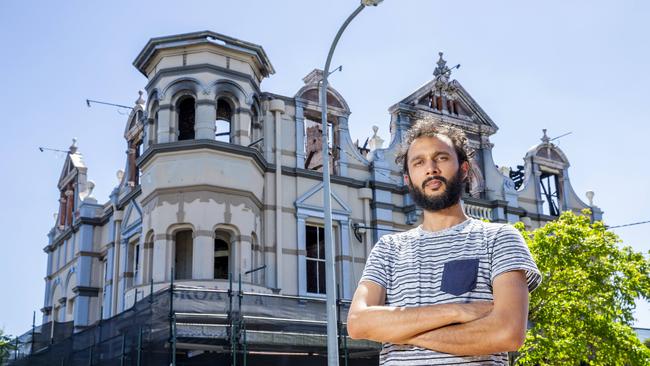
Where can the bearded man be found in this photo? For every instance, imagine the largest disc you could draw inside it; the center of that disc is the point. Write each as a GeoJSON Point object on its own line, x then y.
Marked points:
{"type": "Point", "coordinates": [454, 290]}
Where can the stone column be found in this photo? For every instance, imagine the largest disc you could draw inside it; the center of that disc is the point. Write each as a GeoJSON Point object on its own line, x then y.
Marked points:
{"type": "Point", "coordinates": [62, 210]}
{"type": "Point", "coordinates": [341, 129]}
{"type": "Point", "coordinates": [246, 255]}
{"type": "Point", "coordinates": [108, 282]}
{"type": "Point", "coordinates": [302, 258]}
{"type": "Point", "coordinates": [537, 176]}
{"type": "Point", "coordinates": [150, 133]}
{"type": "Point", "coordinates": [130, 152]}
{"type": "Point", "coordinates": [244, 126]}
{"type": "Point", "coordinates": [122, 270]}
{"type": "Point", "coordinates": [300, 135]}
{"type": "Point", "coordinates": [68, 210]}
{"type": "Point", "coordinates": [203, 255]}
{"type": "Point", "coordinates": [206, 114]}
{"type": "Point", "coordinates": [347, 282]}
{"type": "Point", "coordinates": [162, 250]}
{"type": "Point", "coordinates": [165, 124]}
{"type": "Point", "coordinates": [146, 260]}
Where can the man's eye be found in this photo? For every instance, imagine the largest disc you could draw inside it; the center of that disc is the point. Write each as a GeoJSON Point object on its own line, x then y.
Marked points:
{"type": "Point", "coordinates": [417, 163]}
{"type": "Point", "coordinates": [443, 158]}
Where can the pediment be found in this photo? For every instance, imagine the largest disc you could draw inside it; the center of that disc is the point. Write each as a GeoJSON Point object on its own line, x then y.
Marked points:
{"type": "Point", "coordinates": [72, 165]}
{"type": "Point", "coordinates": [450, 99]}
{"type": "Point", "coordinates": [132, 216]}
{"type": "Point", "coordinates": [314, 199]}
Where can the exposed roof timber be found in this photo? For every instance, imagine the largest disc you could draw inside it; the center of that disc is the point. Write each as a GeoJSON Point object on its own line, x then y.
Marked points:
{"type": "Point", "coordinates": [187, 39]}
{"type": "Point", "coordinates": [463, 95]}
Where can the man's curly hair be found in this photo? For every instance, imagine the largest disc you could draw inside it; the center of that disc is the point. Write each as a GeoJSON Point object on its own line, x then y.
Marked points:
{"type": "Point", "coordinates": [430, 128]}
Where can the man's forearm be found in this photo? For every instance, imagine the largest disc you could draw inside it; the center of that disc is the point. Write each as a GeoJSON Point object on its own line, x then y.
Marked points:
{"type": "Point", "coordinates": [396, 324]}
{"type": "Point", "coordinates": [491, 334]}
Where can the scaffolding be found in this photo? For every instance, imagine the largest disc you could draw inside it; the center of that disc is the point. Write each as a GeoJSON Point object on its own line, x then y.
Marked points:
{"type": "Point", "coordinates": [181, 325]}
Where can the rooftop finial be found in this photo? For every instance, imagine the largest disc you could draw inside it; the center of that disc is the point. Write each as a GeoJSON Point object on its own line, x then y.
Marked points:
{"type": "Point", "coordinates": [140, 100]}
{"type": "Point", "coordinates": [545, 139]}
{"type": "Point", "coordinates": [442, 71]}
{"type": "Point", "coordinates": [73, 147]}
{"type": "Point", "coordinates": [375, 142]}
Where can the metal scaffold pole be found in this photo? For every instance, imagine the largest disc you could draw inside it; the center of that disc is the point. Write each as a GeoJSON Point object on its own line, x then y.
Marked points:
{"type": "Point", "coordinates": [233, 325]}
{"type": "Point", "coordinates": [151, 291]}
{"type": "Point", "coordinates": [139, 359]}
{"type": "Point", "coordinates": [172, 321]}
{"type": "Point", "coordinates": [31, 350]}
{"type": "Point", "coordinates": [122, 358]}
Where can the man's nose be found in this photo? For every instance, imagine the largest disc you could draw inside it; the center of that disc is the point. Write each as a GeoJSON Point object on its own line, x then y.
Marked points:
{"type": "Point", "coordinates": [432, 168]}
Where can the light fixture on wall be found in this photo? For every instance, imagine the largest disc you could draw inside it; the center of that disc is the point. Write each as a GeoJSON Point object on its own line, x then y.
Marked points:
{"type": "Point", "coordinates": [358, 231]}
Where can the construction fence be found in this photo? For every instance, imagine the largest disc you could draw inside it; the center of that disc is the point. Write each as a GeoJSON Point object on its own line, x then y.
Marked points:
{"type": "Point", "coordinates": [198, 326]}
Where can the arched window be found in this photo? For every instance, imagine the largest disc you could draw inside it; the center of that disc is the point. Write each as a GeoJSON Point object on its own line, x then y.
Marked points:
{"type": "Point", "coordinates": [186, 119]}
{"type": "Point", "coordinates": [183, 255]}
{"type": "Point", "coordinates": [221, 256]}
{"type": "Point", "coordinates": [224, 121]}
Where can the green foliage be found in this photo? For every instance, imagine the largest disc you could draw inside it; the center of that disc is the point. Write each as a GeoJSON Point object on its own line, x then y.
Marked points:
{"type": "Point", "coordinates": [582, 311]}
{"type": "Point", "coordinates": [6, 346]}
{"type": "Point", "coordinates": [647, 342]}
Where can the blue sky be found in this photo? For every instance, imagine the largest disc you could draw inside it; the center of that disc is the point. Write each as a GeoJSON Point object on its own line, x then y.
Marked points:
{"type": "Point", "coordinates": [578, 66]}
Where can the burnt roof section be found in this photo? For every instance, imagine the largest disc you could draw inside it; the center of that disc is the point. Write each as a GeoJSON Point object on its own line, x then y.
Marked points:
{"type": "Point", "coordinates": [203, 37]}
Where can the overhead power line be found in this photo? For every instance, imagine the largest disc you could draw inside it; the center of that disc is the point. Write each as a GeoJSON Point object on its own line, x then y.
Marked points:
{"type": "Point", "coordinates": [631, 224]}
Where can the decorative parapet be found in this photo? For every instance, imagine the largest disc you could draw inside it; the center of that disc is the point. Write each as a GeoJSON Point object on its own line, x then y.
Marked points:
{"type": "Point", "coordinates": [477, 212]}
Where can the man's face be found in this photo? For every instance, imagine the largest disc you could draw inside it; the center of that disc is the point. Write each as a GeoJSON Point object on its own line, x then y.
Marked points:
{"type": "Point", "coordinates": [434, 175]}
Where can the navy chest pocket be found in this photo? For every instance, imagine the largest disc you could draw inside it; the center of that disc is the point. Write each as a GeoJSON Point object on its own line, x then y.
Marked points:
{"type": "Point", "coordinates": [459, 276]}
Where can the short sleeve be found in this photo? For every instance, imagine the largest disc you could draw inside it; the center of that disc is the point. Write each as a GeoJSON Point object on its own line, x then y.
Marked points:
{"type": "Point", "coordinates": [510, 253]}
{"type": "Point", "coordinates": [375, 269]}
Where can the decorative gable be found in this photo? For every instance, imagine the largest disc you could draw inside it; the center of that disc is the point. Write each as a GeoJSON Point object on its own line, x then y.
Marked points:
{"type": "Point", "coordinates": [446, 98]}
{"type": "Point", "coordinates": [313, 199]}
{"type": "Point", "coordinates": [132, 217]}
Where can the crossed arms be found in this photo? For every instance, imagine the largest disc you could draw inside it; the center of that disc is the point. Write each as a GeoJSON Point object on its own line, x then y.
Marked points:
{"type": "Point", "coordinates": [476, 328]}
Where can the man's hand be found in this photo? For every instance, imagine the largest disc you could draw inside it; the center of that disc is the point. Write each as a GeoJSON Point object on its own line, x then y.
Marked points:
{"type": "Point", "coordinates": [370, 319]}
{"type": "Point", "coordinates": [502, 330]}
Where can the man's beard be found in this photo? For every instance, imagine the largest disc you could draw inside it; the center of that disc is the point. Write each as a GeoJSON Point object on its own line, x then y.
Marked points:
{"type": "Point", "coordinates": [451, 195]}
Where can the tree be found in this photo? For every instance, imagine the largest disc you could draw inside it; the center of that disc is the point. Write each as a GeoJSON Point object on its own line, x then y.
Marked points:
{"type": "Point", "coordinates": [582, 311]}
{"type": "Point", "coordinates": [6, 346]}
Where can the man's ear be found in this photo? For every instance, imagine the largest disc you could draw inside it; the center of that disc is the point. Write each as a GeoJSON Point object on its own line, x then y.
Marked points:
{"type": "Point", "coordinates": [465, 168]}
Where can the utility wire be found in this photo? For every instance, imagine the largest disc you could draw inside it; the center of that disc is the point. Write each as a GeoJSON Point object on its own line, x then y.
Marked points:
{"type": "Point", "coordinates": [631, 224]}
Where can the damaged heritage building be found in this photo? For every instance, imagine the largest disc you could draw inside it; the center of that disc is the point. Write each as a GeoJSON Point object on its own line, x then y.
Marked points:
{"type": "Point", "coordinates": [223, 181]}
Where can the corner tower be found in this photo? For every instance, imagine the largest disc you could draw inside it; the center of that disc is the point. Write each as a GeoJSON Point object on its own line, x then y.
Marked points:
{"type": "Point", "coordinates": [191, 211]}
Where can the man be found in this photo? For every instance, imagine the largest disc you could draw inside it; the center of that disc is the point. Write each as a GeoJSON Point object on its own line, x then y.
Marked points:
{"type": "Point", "coordinates": [454, 290]}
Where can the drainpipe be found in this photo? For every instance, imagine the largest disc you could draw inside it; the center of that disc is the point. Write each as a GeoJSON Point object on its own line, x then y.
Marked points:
{"type": "Point", "coordinates": [277, 107]}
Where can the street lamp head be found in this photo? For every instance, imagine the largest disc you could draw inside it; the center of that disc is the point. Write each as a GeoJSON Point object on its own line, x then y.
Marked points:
{"type": "Point", "coordinates": [371, 2]}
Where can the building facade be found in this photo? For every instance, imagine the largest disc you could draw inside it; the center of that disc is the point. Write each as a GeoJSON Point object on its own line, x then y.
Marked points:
{"type": "Point", "coordinates": [223, 179]}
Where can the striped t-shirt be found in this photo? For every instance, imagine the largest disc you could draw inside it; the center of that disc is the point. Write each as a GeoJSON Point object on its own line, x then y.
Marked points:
{"type": "Point", "coordinates": [457, 264]}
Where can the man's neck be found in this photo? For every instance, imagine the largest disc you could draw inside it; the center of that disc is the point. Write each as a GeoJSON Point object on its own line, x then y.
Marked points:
{"type": "Point", "coordinates": [443, 219]}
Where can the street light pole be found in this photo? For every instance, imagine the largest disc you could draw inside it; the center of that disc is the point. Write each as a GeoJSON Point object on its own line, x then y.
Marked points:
{"type": "Point", "coordinates": [330, 268]}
